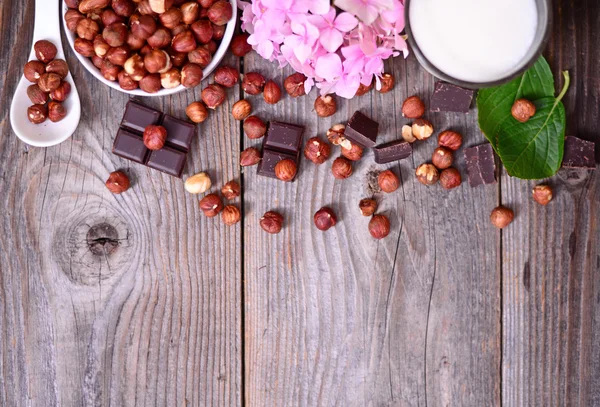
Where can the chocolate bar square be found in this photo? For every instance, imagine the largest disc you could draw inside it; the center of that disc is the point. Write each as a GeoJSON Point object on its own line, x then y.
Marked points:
{"type": "Point", "coordinates": [392, 151]}
{"type": "Point", "coordinates": [137, 117]}
{"type": "Point", "coordinates": [130, 146]}
{"type": "Point", "coordinates": [179, 133]}
{"type": "Point", "coordinates": [167, 160]}
{"type": "Point", "coordinates": [362, 130]}
{"type": "Point", "coordinates": [270, 158]}
{"type": "Point", "coordinates": [481, 165]}
{"type": "Point", "coordinates": [283, 137]}
{"type": "Point", "coordinates": [451, 98]}
{"type": "Point", "coordinates": [579, 153]}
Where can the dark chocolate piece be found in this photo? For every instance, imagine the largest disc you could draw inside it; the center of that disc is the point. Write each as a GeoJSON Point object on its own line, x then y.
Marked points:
{"type": "Point", "coordinates": [179, 133]}
{"type": "Point", "coordinates": [579, 153]}
{"type": "Point", "coordinates": [167, 160]}
{"type": "Point", "coordinates": [362, 130]}
{"type": "Point", "coordinates": [451, 98]}
{"type": "Point", "coordinates": [283, 137]}
{"type": "Point", "coordinates": [270, 158]}
{"type": "Point", "coordinates": [130, 146]}
{"type": "Point", "coordinates": [392, 151]}
{"type": "Point", "coordinates": [481, 165]}
{"type": "Point", "coordinates": [137, 116]}
{"type": "Point", "coordinates": [129, 142]}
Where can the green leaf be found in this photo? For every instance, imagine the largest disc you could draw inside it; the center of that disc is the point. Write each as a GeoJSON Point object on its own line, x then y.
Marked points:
{"type": "Point", "coordinates": [531, 150]}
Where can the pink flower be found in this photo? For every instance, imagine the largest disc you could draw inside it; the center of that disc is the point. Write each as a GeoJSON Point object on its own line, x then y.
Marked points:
{"type": "Point", "coordinates": [366, 10]}
{"type": "Point", "coordinates": [332, 28]}
{"type": "Point", "coordinates": [302, 41]}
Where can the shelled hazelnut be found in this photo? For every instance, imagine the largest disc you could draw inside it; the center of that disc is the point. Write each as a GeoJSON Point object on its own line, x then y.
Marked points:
{"type": "Point", "coordinates": [341, 168]}
{"type": "Point", "coordinates": [155, 137]}
{"type": "Point", "coordinates": [118, 55]}
{"type": "Point", "coordinates": [542, 194]}
{"type": "Point", "coordinates": [271, 92]}
{"type": "Point", "coordinates": [134, 67]}
{"type": "Point", "coordinates": [170, 79]}
{"type": "Point", "coordinates": [220, 12]}
{"type": "Point", "coordinates": [213, 96]}
{"type": "Point", "coordinates": [150, 83]}
{"type": "Point", "coordinates": [388, 181]}
{"type": "Point", "coordinates": [364, 89]}
{"type": "Point", "coordinates": [286, 170]}
{"type": "Point", "coordinates": [450, 178]}
{"type": "Point", "coordinates": [501, 217]}
{"type": "Point", "coordinates": [56, 111]}
{"type": "Point", "coordinates": [59, 67]}
{"type": "Point", "coordinates": [33, 70]}
{"type": "Point", "coordinates": [271, 222]}
{"type": "Point", "coordinates": [142, 26]}
{"type": "Point", "coordinates": [427, 174]}
{"type": "Point", "coordinates": [316, 150]}
{"type": "Point", "coordinates": [109, 70]}
{"type": "Point", "coordinates": [413, 108]}
{"type": "Point", "coordinates": [294, 84]}
{"type": "Point", "coordinates": [325, 219]}
{"type": "Point", "coordinates": [367, 206]}
{"type": "Point", "coordinates": [239, 45]}
{"type": "Point", "coordinates": [422, 129]}
{"type": "Point", "coordinates": [450, 139]}
{"type": "Point", "coordinates": [197, 112]}
{"type": "Point", "coordinates": [407, 134]}
{"type": "Point", "coordinates": [335, 134]}
{"type": "Point", "coordinates": [116, 34]}
{"type": "Point", "coordinates": [189, 12]}
{"type": "Point", "coordinates": [126, 81]}
{"type": "Point", "coordinates": [72, 18]}
{"type": "Point", "coordinates": [184, 42]}
{"type": "Point", "coordinates": [241, 109]}
{"type": "Point", "coordinates": [45, 51]}
{"type": "Point", "coordinates": [351, 151]}
{"type": "Point", "coordinates": [117, 182]}
{"type": "Point", "coordinates": [211, 205]}
{"type": "Point", "coordinates": [231, 190]}
{"type": "Point", "coordinates": [442, 158]}
{"type": "Point", "coordinates": [61, 93]}
{"type": "Point", "coordinates": [36, 95]}
{"type": "Point", "coordinates": [200, 56]}
{"type": "Point", "coordinates": [87, 29]}
{"type": "Point", "coordinates": [250, 156]}
{"type": "Point", "coordinates": [325, 106]}
{"type": "Point", "coordinates": [227, 76]}
{"type": "Point", "coordinates": [254, 127]}
{"type": "Point", "coordinates": [198, 183]}
{"type": "Point", "coordinates": [231, 215]}
{"type": "Point", "coordinates": [157, 61]}
{"type": "Point", "coordinates": [37, 113]}
{"type": "Point", "coordinates": [203, 31]}
{"type": "Point", "coordinates": [387, 83]}
{"type": "Point", "coordinates": [49, 81]}
{"type": "Point", "coordinates": [218, 32]}
{"type": "Point", "coordinates": [523, 110]}
{"type": "Point", "coordinates": [253, 83]}
{"type": "Point", "coordinates": [379, 226]}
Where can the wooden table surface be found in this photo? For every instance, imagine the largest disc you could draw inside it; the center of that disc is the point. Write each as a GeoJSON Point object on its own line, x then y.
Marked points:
{"type": "Point", "coordinates": [138, 299]}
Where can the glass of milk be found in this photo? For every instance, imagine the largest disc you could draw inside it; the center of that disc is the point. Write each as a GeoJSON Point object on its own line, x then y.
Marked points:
{"type": "Point", "coordinates": [477, 43]}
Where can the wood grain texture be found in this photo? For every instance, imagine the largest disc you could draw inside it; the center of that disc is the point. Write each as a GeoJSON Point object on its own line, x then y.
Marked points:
{"type": "Point", "coordinates": [551, 255]}
{"type": "Point", "coordinates": [337, 318]}
{"type": "Point", "coordinates": [132, 299]}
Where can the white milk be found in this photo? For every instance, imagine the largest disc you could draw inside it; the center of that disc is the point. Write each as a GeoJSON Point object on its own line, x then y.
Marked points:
{"type": "Point", "coordinates": [474, 40]}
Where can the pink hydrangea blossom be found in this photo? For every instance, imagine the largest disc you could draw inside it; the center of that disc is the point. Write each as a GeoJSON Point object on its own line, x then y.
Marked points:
{"type": "Point", "coordinates": [336, 51]}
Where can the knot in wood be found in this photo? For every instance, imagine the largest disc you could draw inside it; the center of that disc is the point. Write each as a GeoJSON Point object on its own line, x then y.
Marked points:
{"type": "Point", "coordinates": [102, 239]}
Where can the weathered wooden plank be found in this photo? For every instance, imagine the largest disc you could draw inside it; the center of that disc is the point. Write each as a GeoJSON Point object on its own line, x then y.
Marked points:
{"type": "Point", "coordinates": [551, 255]}
{"type": "Point", "coordinates": [337, 318]}
{"type": "Point", "coordinates": [148, 310]}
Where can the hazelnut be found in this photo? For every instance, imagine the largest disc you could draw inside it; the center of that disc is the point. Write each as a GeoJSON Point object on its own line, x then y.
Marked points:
{"type": "Point", "coordinates": [171, 18]}
{"type": "Point", "coordinates": [286, 169]}
{"type": "Point", "coordinates": [231, 190]}
{"type": "Point", "coordinates": [101, 47]}
{"type": "Point", "coordinates": [200, 56]}
{"type": "Point", "coordinates": [211, 46]}
{"type": "Point", "coordinates": [379, 226]}
{"type": "Point", "coordinates": [250, 156]}
{"type": "Point", "coordinates": [59, 67]}
{"type": "Point", "coordinates": [325, 218]}
{"type": "Point", "coordinates": [134, 67]}
{"type": "Point", "coordinates": [118, 55]}
{"type": "Point", "coordinates": [97, 61]}
{"type": "Point", "coordinates": [117, 182]}
{"type": "Point", "coordinates": [442, 158]}
{"type": "Point", "coordinates": [116, 34]}
{"type": "Point", "coordinates": [49, 81]}
{"type": "Point", "coordinates": [37, 114]}
{"type": "Point", "coordinates": [170, 79]}
{"type": "Point", "coordinates": [341, 168]}
{"type": "Point", "coordinates": [271, 222]}
{"type": "Point", "coordinates": [241, 109]}
{"type": "Point", "coordinates": [203, 31]}
{"type": "Point", "coordinates": [33, 70]}
{"type": "Point", "coordinates": [218, 32]}
{"type": "Point", "coordinates": [109, 70]}
{"type": "Point", "coordinates": [253, 83]}
{"type": "Point", "coordinates": [144, 8]}
{"type": "Point", "coordinates": [227, 76]}
{"type": "Point", "coordinates": [191, 75]}
{"type": "Point", "coordinates": [387, 83]}
{"type": "Point", "coordinates": [160, 39]}
{"type": "Point", "coordinates": [84, 47]}
{"type": "Point", "coordinates": [427, 174]}
{"type": "Point", "coordinates": [317, 150]}
{"type": "Point", "coordinates": [155, 137]}
{"type": "Point", "coordinates": [184, 42]}
{"type": "Point", "coordinates": [86, 6]}
{"type": "Point", "coordinates": [367, 206]}
{"type": "Point", "coordinates": [272, 92]}
{"type": "Point", "coordinates": [501, 217]}
{"type": "Point", "coordinates": [213, 96]}
{"type": "Point", "coordinates": [388, 181]}
{"type": "Point", "coordinates": [150, 83]}
{"type": "Point", "coordinates": [220, 12]}
{"type": "Point", "coordinates": [254, 127]}
{"type": "Point", "coordinates": [178, 58]}
{"type": "Point", "coordinates": [363, 89]}
{"type": "Point", "coordinates": [198, 184]}
{"type": "Point", "coordinates": [123, 8]}
{"type": "Point", "coordinates": [523, 110]}
{"type": "Point", "coordinates": [126, 82]}
{"type": "Point", "coordinates": [325, 106]}
{"type": "Point", "coordinates": [351, 151]}
{"type": "Point", "coordinates": [61, 93]}
{"type": "Point", "coordinates": [45, 51]}
{"type": "Point", "coordinates": [407, 134]}
{"type": "Point", "coordinates": [542, 194]}
{"type": "Point", "coordinates": [36, 95]}
{"type": "Point", "coordinates": [239, 45]}
{"type": "Point", "coordinates": [450, 178]}
{"type": "Point", "coordinates": [160, 6]}
{"type": "Point", "coordinates": [157, 61]}
{"type": "Point", "coordinates": [189, 12]}
{"type": "Point", "coordinates": [109, 17]}
{"type": "Point", "coordinates": [294, 85]}
{"type": "Point", "coordinates": [413, 108]}
{"type": "Point", "coordinates": [179, 29]}
{"type": "Point", "coordinates": [231, 215]}
{"type": "Point", "coordinates": [335, 135]}
{"type": "Point", "coordinates": [422, 129]}
{"type": "Point", "coordinates": [211, 205]}
{"type": "Point", "coordinates": [206, 4]}
{"type": "Point", "coordinates": [56, 111]}
{"type": "Point", "coordinates": [72, 18]}
{"type": "Point", "coordinates": [197, 112]}
{"type": "Point", "coordinates": [87, 28]}
{"type": "Point", "coordinates": [72, 3]}
{"type": "Point", "coordinates": [450, 139]}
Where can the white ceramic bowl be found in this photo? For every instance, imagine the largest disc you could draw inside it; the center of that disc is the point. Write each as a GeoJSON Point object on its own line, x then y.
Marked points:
{"type": "Point", "coordinates": [217, 57]}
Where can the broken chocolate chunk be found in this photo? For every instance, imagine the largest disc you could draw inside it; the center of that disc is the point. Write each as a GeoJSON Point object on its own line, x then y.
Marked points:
{"type": "Point", "coordinates": [392, 151]}
{"type": "Point", "coordinates": [362, 130]}
{"type": "Point", "coordinates": [451, 98]}
{"type": "Point", "coordinates": [579, 153]}
{"type": "Point", "coordinates": [481, 165]}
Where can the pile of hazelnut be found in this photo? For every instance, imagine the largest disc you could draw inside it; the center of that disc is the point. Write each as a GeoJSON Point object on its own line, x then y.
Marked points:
{"type": "Point", "coordinates": [149, 44]}
{"type": "Point", "coordinates": [49, 88]}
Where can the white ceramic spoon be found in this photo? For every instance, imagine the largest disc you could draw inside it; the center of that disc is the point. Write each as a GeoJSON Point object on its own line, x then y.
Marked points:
{"type": "Point", "coordinates": [47, 27]}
